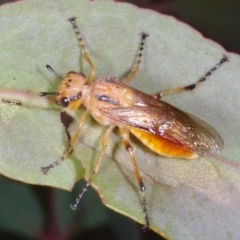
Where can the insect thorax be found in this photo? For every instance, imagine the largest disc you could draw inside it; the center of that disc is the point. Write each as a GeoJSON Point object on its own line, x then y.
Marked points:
{"type": "Point", "coordinates": [107, 93]}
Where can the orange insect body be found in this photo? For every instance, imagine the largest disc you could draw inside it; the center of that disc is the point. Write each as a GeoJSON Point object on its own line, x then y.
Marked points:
{"type": "Point", "coordinates": [162, 127]}
{"type": "Point", "coordinates": [163, 146]}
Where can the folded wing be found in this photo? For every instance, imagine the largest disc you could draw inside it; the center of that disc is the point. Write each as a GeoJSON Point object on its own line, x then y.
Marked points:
{"type": "Point", "coordinates": [162, 119]}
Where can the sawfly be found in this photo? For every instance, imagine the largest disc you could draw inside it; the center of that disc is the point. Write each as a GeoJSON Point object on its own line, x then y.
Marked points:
{"type": "Point", "coordinates": [163, 128]}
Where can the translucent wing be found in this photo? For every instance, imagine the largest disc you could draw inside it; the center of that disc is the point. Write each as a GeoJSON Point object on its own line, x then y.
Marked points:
{"type": "Point", "coordinates": [162, 119]}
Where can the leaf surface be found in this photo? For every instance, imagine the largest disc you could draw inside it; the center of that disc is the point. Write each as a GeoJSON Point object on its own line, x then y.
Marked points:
{"type": "Point", "coordinates": [196, 199]}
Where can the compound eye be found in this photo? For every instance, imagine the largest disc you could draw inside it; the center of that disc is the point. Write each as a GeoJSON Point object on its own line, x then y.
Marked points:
{"type": "Point", "coordinates": [64, 102]}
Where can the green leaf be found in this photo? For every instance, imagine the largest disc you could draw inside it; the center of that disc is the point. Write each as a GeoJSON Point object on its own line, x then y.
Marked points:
{"type": "Point", "coordinates": [186, 199]}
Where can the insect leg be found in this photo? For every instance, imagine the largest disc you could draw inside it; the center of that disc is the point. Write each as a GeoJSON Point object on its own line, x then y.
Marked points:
{"type": "Point", "coordinates": [96, 167]}
{"type": "Point", "coordinates": [136, 68]}
{"type": "Point", "coordinates": [194, 85]}
{"type": "Point", "coordinates": [128, 147]}
{"type": "Point", "coordinates": [91, 75]}
{"type": "Point", "coordinates": [71, 144]}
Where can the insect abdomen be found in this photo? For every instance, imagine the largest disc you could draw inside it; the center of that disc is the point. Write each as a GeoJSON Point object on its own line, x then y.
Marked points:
{"type": "Point", "coordinates": [163, 146]}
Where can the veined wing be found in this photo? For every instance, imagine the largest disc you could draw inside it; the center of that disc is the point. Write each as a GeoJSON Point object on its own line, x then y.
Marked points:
{"type": "Point", "coordinates": [162, 119]}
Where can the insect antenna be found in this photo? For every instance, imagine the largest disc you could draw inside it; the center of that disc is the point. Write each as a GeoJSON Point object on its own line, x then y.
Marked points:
{"type": "Point", "coordinates": [49, 68]}
{"type": "Point", "coordinates": [42, 94]}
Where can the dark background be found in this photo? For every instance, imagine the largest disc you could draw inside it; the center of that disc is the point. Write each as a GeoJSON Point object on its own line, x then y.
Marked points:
{"type": "Point", "coordinates": [215, 19]}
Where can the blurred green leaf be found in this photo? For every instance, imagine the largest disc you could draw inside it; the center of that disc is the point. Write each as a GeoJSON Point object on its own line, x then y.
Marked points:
{"type": "Point", "coordinates": [186, 199]}
{"type": "Point", "coordinates": [17, 218]}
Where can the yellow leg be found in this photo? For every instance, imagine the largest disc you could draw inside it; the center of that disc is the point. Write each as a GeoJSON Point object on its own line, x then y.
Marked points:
{"type": "Point", "coordinates": [71, 144]}
{"type": "Point", "coordinates": [128, 147]}
{"type": "Point", "coordinates": [191, 86]}
{"type": "Point", "coordinates": [91, 75]}
{"type": "Point", "coordinates": [136, 68]}
{"type": "Point", "coordinates": [96, 167]}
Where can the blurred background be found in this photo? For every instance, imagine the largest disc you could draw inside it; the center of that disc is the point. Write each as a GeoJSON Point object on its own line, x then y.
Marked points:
{"type": "Point", "coordinates": [215, 19]}
{"type": "Point", "coordinates": [35, 212]}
